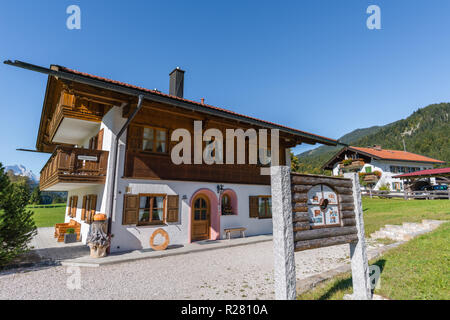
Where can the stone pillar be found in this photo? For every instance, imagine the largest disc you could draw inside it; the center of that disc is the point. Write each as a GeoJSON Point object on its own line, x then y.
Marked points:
{"type": "Point", "coordinates": [283, 235]}
{"type": "Point", "coordinates": [358, 253]}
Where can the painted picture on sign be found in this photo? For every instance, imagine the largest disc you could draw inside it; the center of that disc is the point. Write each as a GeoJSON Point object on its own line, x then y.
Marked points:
{"type": "Point", "coordinates": [323, 206]}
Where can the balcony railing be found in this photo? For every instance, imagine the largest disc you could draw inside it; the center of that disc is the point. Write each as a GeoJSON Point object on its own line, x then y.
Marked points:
{"type": "Point", "coordinates": [67, 107]}
{"type": "Point", "coordinates": [74, 165]}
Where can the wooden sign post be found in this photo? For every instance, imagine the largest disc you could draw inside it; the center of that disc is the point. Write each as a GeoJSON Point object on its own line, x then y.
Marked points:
{"type": "Point", "coordinates": [311, 211]}
{"type": "Point", "coordinates": [283, 238]}
{"type": "Point", "coordinates": [358, 253]}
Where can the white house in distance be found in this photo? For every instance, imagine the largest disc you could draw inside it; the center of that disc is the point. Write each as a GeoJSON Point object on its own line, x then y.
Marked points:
{"type": "Point", "coordinates": [110, 145]}
{"type": "Point", "coordinates": [387, 162]}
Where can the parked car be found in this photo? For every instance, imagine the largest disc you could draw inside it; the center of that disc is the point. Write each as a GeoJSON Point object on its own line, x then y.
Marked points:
{"type": "Point", "coordinates": [432, 188]}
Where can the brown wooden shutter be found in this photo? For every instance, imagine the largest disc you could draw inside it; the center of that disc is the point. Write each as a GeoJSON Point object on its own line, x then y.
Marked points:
{"type": "Point", "coordinates": [100, 140]}
{"type": "Point", "coordinates": [130, 209]}
{"type": "Point", "coordinates": [83, 209]}
{"type": "Point", "coordinates": [253, 210]}
{"type": "Point", "coordinates": [92, 207]}
{"type": "Point", "coordinates": [69, 212]}
{"type": "Point", "coordinates": [134, 137]}
{"type": "Point", "coordinates": [172, 208]}
{"type": "Point", "coordinates": [74, 206]}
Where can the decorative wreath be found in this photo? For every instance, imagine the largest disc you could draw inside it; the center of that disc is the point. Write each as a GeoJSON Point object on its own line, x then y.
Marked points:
{"type": "Point", "coordinates": [163, 245]}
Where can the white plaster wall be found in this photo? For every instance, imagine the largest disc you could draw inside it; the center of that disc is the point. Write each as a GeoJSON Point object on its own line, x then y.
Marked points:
{"type": "Point", "coordinates": [97, 190]}
{"type": "Point", "coordinates": [384, 167]}
{"type": "Point", "coordinates": [111, 123]}
{"type": "Point", "coordinates": [132, 237]}
{"type": "Point", "coordinates": [387, 176]}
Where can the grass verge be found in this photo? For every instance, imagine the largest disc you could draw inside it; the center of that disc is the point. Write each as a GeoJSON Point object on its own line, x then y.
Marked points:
{"type": "Point", "coordinates": [416, 270]}
{"type": "Point", "coordinates": [47, 216]}
{"type": "Point", "coordinates": [379, 212]}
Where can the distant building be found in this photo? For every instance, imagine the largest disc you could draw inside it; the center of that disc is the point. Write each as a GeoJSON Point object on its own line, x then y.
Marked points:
{"type": "Point", "coordinates": [388, 163]}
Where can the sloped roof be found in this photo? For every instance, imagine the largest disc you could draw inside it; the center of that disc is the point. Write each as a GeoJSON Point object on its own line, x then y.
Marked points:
{"type": "Point", "coordinates": [381, 154]}
{"type": "Point", "coordinates": [428, 172]}
{"type": "Point", "coordinates": [318, 138]}
{"type": "Point", "coordinates": [395, 155]}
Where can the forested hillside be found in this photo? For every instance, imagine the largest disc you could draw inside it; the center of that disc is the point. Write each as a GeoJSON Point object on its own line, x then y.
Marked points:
{"type": "Point", "coordinates": [426, 132]}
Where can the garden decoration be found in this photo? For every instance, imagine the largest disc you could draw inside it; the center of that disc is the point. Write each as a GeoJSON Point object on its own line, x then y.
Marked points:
{"type": "Point", "coordinates": [162, 246]}
{"type": "Point", "coordinates": [70, 236]}
{"type": "Point", "coordinates": [97, 239]}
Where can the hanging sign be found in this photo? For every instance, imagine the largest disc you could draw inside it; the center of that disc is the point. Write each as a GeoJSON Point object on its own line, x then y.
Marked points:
{"type": "Point", "coordinates": [87, 158]}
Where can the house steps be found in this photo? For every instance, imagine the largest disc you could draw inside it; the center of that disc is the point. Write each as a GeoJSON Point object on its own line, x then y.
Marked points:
{"type": "Point", "coordinates": [406, 231]}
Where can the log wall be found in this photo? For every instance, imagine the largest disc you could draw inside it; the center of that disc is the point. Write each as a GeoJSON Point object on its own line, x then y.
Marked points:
{"type": "Point", "coordinates": [307, 237]}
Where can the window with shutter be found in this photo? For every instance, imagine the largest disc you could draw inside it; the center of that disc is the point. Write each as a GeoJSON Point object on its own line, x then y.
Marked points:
{"type": "Point", "coordinates": [73, 210]}
{"type": "Point", "coordinates": [253, 211]}
{"type": "Point", "coordinates": [83, 208]}
{"type": "Point", "coordinates": [172, 208]}
{"type": "Point", "coordinates": [130, 209]}
{"type": "Point", "coordinates": [92, 208]}
{"type": "Point", "coordinates": [260, 207]}
{"type": "Point", "coordinates": [134, 136]}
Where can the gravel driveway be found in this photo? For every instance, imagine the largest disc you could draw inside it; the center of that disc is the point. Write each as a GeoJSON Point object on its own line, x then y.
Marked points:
{"type": "Point", "coordinates": [244, 272]}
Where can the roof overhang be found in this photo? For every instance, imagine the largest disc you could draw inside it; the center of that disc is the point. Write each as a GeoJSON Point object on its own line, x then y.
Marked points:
{"type": "Point", "coordinates": [151, 95]}
{"type": "Point", "coordinates": [328, 165]}
{"type": "Point", "coordinates": [438, 172]}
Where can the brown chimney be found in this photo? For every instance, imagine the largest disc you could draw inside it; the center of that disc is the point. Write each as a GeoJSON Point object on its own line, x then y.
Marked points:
{"type": "Point", "coordinates": [176, 87]}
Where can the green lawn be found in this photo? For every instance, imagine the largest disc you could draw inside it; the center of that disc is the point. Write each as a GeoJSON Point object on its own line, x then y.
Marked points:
{"type": "Point", "coordinates": [416, 270]}
{"type": "Point", "coordinates": [47, 216]}
{"type": "Point", "coordinates": [379, 212]}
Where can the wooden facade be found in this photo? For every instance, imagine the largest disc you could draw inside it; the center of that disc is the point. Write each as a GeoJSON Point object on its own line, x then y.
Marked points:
{"type": "Point", "coordinates": [65, 99]}
{"type": "Point", "coordinates": [66, 165]}
{"type": "Point", "coordinates": [69, 99]}
{"type": "Point", "coordinates": [158, 165]}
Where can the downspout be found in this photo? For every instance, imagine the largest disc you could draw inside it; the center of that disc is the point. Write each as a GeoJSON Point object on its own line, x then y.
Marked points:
{"type": "Point", "coordinates": [115, 157]}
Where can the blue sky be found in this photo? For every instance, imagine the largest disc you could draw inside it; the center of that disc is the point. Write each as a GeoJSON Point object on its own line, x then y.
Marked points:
{"type": "Point", "coordinates": [312, 65]}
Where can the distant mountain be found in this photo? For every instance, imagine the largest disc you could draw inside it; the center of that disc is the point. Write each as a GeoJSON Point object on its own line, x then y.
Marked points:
{"type": "Point", "coordinates": [20, 170]}
{"type": "Point", "coordinates": [426, 132]}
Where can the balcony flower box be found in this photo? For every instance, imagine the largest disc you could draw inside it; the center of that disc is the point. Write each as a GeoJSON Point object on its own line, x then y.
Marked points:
{"type": "Point", "coordinates": [70, 236]}
{"type": "Point", "coordinates": [370, 177]}
{"type": "Point", "coordinates": [352, 164]}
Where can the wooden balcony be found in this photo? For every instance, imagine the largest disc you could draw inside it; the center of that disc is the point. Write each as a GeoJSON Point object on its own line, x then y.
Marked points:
{"type": "Point", "coordinates": [351, 165]}
{"type": "Point", "coordinates": [73, 120]}
{"type": "Point", "coordinates": [71, 168]}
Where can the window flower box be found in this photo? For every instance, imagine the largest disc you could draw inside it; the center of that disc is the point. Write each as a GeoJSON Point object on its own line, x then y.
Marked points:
{"type": "Point", "coordinates": [352, 164]}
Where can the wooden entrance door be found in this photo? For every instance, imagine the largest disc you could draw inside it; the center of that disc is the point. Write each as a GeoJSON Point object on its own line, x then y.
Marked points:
{"type": "Point", "coordinates": [201, 216]}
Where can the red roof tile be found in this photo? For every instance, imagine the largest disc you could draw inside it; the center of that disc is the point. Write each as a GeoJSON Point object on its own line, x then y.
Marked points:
{"type": "Point", "coordinates": [186, 100]}
{"type": "Point", "coordinates": [396, 155]}
{"type": "Point", "coordinates": [428, 172]}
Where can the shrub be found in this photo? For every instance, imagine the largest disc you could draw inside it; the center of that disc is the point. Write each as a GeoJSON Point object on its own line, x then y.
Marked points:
{"type": "Point", "coordinates": [377, 173]}
{"type": "Point", "coordinates": [70, 230]}
{"type": "Point", "coordinates": [17, 227]}
{"type": "Point", "coordinates": [347, 162]}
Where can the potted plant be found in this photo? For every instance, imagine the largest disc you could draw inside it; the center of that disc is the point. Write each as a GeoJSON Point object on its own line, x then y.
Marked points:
{"type": "Point", "coordinates": [70, 236]}
{"type": "Point", "coordinates": [352, 164]}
